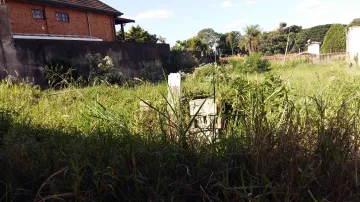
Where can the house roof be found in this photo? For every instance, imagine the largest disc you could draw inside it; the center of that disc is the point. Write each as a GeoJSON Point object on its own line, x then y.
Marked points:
{"type": "Point", "coordinates": [120, 20]}
{"type": "Point", "coordinates": [55, 37]}
{"type": "Point", "coordinates": [93, 5]}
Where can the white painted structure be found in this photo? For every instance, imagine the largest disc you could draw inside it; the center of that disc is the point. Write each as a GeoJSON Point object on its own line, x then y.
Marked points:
{"type": "Point", "coordinates": [207, 123]}
{"type": "Point", "coordinates": [314, 48]}
{"type": "Point", "coordinates": [174, 95]}
{"type": "Point", "coordinates": [353, 41]}
{"type": "Point", "coordinates": [55, 37]}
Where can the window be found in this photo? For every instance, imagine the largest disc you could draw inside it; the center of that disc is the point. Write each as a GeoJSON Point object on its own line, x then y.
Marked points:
{"type": "Point", "coordinates": [62, 17]}
{"type": "Point", "coordinates": [38, 14]}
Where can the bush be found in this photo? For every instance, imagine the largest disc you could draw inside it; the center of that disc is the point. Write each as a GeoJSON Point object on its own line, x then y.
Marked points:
{"type": "Point", "coordinates": [254, 63]}
{"type": "Point", "coordinates": [102, 70]}
{"type": "Point", "coordinates": [236, 63]}
{"type": "Point", "coordinates": [335, 40]}
{"type": "Point", "coordinates": [212, 73]}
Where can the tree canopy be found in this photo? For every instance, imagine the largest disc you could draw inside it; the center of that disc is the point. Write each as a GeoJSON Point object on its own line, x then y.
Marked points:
{"type": "Point", "coordinates": [355, 22]}
{"type": "Point", "coordinates": [232, 39]}
{"type": "Point", "coordinates": [251, 40]}
{"type": "Point", "coordinates": [284, 37]}
{"type": "Point", "coordinates": [335, 39]}
{"type": "Point", "coordinates": [139, 35]}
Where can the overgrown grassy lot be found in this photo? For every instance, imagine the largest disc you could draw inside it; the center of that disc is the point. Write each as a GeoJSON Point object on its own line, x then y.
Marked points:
{"type": "Point", "coordinates": [290, 133]}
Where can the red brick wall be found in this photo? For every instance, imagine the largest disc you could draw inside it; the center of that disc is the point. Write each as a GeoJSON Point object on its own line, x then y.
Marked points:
{"type": "Point", "coordinates": [22, 22]}
{"type": "Point", "coordinates": [102, 26]}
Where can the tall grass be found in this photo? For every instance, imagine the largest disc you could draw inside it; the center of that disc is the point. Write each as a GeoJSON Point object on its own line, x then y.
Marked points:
{"type": "Point", "coordinates": [283, 139]}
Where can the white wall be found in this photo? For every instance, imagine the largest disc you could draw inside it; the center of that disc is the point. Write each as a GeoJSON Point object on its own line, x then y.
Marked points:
{"type": "Point", "coordinates": [314, 48]}
{"type": "Point", "coordinates": [353, 41]}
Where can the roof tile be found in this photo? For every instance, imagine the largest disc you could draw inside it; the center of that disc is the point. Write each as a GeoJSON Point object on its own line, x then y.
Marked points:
{"type": "Point", "coordinates": [87, 4]}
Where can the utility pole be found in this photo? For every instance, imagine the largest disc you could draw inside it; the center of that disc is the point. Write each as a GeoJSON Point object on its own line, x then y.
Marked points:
{"type": "Point", "coordinates": [287, 45]}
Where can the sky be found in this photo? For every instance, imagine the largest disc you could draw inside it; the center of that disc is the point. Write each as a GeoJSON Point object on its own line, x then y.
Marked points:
{"type": "Point", "coordinates": [183, 19]}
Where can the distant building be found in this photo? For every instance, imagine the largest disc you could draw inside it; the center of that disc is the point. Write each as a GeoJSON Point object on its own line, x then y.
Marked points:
{"type": "Point", "coordinates": [353, 42]}
{"type": "Point", "coordinates": [314, 48]}
{"type": "Point", "coordinates": [90, 20]}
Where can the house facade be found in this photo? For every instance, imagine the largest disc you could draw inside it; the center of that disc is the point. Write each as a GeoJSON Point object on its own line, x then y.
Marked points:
{"type": "Point", "coordinates": [90, 20]}
{"type": "Point", "coordinates": [314, 48]}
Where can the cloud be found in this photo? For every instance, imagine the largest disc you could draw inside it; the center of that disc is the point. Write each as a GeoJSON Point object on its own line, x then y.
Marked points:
{"type": "Point", "coordinates": [229, 3]}
{"type": "Point", "coordinates": [160, 13]}
{"type": "Point", "coordinates": [235, 25]}
{"type": "Point", "coordinates": [314, 6]}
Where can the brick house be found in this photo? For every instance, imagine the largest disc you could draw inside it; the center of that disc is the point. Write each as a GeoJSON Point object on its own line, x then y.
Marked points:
{"type": "Point", "coordinates": [90, 20]}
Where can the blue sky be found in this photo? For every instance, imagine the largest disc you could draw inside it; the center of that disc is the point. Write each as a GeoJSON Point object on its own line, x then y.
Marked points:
{"type": "Point", "coordinates": [182, 19]}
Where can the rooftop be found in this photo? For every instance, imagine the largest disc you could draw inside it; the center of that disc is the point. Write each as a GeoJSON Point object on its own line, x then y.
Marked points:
{"type": "Point", "coordinates": [55, 37]}
{"type": "Point", "coordinates": [94, 5]}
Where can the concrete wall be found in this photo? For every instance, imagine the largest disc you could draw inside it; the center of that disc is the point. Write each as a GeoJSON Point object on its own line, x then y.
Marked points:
{"type": "Point", "coordinates": [353, 41]}
{"type": "Point", "coordinates": [315, 58]}
{"type": "Point", "coordinates": [314, 48]}
{"type": "Point", "coordinates": [24, 57]}
{"type": "Point", "coordinates": [129, 58]}
{"type": "Point", "coordinates": [101, 25]}
{"type": "Point", "coordinates": [8, 58]}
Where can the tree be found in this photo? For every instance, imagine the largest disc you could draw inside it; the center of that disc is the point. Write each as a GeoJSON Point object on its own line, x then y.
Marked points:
{"type": "Point", "coordinates": [179, 46]}
{"type": "Point", "coordinates": [233, 39]}
{"type": "Point", "coordinates": [192, 44]}
{"type": "Point", "coordinates": [251, 40]}
{"type": "Point", "coordinates": [355, 22]}
{"type": "Point", "coordinates": [316, 33]}
{"type": "Point", "coordinates": [139, 35]}
{"type": "Point", "coordinates": [282, 26]}
{"type": "Point", "coordinates": [208, 36]}
{"type": "Point", "coordinates": [335, 39]}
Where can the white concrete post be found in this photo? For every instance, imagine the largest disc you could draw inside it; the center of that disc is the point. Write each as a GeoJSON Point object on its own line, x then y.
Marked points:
{"type": "Point", "coordinates": [174, 85]}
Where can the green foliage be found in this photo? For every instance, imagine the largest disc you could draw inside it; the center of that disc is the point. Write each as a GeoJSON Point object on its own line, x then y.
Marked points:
{"type": "Point", "coordinates": [273, 43]}
{"type": "Point", "coordinates": [335, 40]}
{"type": "Point", "coordinates": [233, 39]}
{"type": "Point", "coordinates": [316, 33]}
{"type": "Point", "coordinates": [355, 22]}
{"type": "Point", "coordinates": [289, 139]}
{"type": "Point", "coordinates": [249, 64]}
{"type": "Point", "coordinates": [254, 40]}
{"type": "Point", "coordinates": [58, 76]}
{"type": "Point", "coordinates": [356, 58]}
{"type": "Point", "coordinates": [236, 63]}
{"type": "Point", "coordinates": [139, 35]}
{"type": "Point", "coordinates": [192, 44]}
{"type": "Point", "coordinates": [101, 70]}
{"type": "Point", "coordinates": [182, 61]}
{"type": "Point", "coordinates": [251, 40]}
{"type": "Point", "coordinates": [254, 63]}
{"type": "Point", "coordinates": [208, 36]}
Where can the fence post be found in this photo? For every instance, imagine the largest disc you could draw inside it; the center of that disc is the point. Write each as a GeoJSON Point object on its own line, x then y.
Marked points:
{"type": "Point", "coordinates": [174, 92]}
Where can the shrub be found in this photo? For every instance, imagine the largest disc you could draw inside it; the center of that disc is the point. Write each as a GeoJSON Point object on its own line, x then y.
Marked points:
{"type": "Point", "coordinates": [102, 70]}
{"type": "Point", "coordinates": [254, 63]}
{"type": "Point", "coordinates": [211, 72]}
{"type": "Point", "coordinates": [236, 63]}
{"type": "Point", "coordinates": [335, 40]}
{"type": "Point", "coordinates": [59, 72]}
{"type": "Point", "coordinates": [58, 76]}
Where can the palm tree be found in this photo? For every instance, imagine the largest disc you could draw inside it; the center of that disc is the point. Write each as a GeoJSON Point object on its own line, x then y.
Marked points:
{"type": "Point", "coordinates": [251, 40]}
{"type": "Point", "coordinates": [233, 39]}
